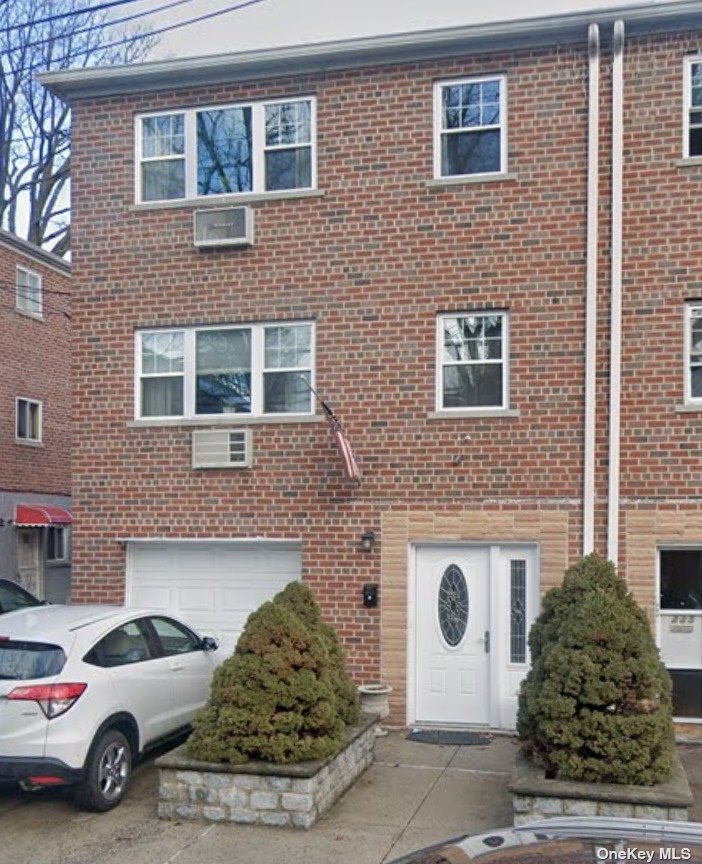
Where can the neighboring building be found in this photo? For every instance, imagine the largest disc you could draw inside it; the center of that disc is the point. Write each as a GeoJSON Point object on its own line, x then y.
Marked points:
{"type": "Point", "coordinates": [436, 249]}
{"type": "Point", "coordinates": [35, 421]}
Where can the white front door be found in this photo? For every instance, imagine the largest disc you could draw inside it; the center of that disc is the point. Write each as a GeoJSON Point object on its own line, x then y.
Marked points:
{"type": "Point", "coordinates": [452, 635]}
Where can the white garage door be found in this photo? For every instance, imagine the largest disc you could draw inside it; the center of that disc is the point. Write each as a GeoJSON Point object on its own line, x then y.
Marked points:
{"type": "Point", "coordinates": [212, 586]}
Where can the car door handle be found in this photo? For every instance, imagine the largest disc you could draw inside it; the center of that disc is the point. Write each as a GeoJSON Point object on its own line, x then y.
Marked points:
{"type": "Point", "coordinates": [177, 667]}
{"type": "Point", "coordinates": [486, 641]}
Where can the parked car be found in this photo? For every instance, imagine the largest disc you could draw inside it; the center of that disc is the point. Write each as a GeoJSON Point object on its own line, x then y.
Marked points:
{"type": "Point", "coordinates": [14, 596]}
{"type": "Point", "coordinates": [572, 839]}
{"type": "Point", "coordinates": [85, 690]}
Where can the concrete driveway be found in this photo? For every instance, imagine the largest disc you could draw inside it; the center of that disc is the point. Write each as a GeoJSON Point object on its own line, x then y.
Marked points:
{"type": "Point", "coordinates": [414, 795]}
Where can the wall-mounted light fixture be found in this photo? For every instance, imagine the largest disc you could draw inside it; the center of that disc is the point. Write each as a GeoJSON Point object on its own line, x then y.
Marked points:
{"type": "Point", "coordinates": [367, 541]}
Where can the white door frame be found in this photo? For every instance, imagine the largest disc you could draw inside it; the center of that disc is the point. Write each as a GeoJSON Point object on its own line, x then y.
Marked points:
{"type": "Point", "coordinates": [499, 624]}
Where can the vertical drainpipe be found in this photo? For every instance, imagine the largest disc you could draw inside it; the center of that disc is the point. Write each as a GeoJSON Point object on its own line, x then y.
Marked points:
{"type": "Point", "coordinates": [615, 372]}
{"type": "Point", "coordinates": [593, 169]}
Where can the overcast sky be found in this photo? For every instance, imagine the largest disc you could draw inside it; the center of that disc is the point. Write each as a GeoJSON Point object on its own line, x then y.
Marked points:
{"type": "Point", "coordinates": [288, 22]}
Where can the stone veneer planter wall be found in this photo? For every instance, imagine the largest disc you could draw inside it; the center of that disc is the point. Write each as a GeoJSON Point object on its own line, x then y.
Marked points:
{"type": "Point", "coordinates": [534, 797]}
{"type": "Point", "coordinates": [261, 793]}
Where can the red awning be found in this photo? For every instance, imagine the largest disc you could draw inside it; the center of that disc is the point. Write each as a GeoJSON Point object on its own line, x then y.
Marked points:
{"type": "Point", "coordinates": [38, 515]}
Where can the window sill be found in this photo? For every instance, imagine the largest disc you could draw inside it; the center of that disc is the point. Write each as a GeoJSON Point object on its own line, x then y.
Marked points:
{"type": "Point", "coordinates": [226, 420]}
{"type": "Point", "coordinates": [440, 182]}
{"type": "Point", "coordinates": [478, 413]}
{"type": "Point", "coordinates": [688, 408]}
{"type": "Point", "coordinates": [689, 162]}
{"type": "Point", "coordinates": [35, 316]}
{"type": "Point", "coordinates": [227, 200]}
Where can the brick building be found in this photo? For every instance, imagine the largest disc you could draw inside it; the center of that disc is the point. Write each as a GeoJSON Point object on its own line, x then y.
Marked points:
{"type": "Point", "coordinates": [35, 421]}
{"type": "Point", "coordinates": [478, 245]}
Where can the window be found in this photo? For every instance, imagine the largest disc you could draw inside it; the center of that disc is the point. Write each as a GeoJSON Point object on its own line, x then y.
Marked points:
{"type": "Point", "coordinates": [470, 133]}
{"type": "Point", "coordinates": [228, 150]}
{"type": "Point", "coordinates": [28, 292]}
{"type": "Point", "coordinates": [124, 645]}
{"type": "Point", "coordinates": [693, 353]}
{"type": "Point", "coordinates": [693, 108]}
{"type": "Point", "coordinates": [471, 362]}
{"type": "Point", "coordinates": [174, 638]}
{"type": "Point", "coordinates": [517, 617]}
{"type": "Point", "coordinates": [680, 627]}
{"type": "Point", "coordinates": [203, 372]}
{"type": "Point", "coordinates": [28, 421]}
{"type": "Point", "coordinates": [57, 544]}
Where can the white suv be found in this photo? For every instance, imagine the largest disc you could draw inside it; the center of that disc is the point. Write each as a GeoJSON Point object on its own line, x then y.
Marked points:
{"type": "Point", "coordinates": [84, 690]}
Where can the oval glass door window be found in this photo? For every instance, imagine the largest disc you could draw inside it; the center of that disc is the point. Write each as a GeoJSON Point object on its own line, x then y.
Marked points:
{"type": "Point", "coordinates": [453, 605]}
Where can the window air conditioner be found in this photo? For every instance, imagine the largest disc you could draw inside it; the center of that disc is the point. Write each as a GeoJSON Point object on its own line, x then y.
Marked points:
{"type": "Point", "coordinates": [223, 226]}
{"type": "Point", "coordinates": [223, 448]}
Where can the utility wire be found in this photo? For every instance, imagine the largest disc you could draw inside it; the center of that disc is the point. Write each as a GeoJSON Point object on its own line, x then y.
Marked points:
{"type": "Point", "coordinates": [26, 292]}
{"type": "Point", "coordinates": [139, 36]}
{"type": "Point", "coordinates": [61, 16]}
{"type": "Point", "coordinates": [101, 26]}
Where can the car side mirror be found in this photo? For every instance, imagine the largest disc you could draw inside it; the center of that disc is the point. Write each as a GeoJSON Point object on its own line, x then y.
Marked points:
{"type": "Point", "coordinates": [209, 644]}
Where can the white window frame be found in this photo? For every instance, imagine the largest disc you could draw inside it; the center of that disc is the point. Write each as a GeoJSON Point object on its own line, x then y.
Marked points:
{"type": "Point", "coordinates": [502, 126]}
{"type": "Point", "coordinates": [689, 308]}
{"type": "Point", "coordinates": [258, 149]}
{"type": "Point", "coordinates": [27, 402]}
{"type": "Point", "coordinates": [190, 372]}
{"type": "Point", "coordinates": [62, 531]}
{"type": "Point", "coordinates": [687, 105]}
{"type": "Point", "coordinates": [21, 298]}
{"type": "Point", "coordinates": [475, 313]}
{"type": "Point", "coordinates": [662, 613]}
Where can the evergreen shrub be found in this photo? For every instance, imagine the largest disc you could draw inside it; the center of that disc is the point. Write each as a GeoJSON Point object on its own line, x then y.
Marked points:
{"type": "Point", "coordinates": [596, 703]}
{"type": "Point", "coordinates": [283, 696]}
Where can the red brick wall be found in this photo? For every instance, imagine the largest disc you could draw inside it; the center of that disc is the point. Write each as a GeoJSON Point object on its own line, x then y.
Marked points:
{"type": "Point", "coordinates": [372, 260]}
{"type": "Point", "coordinates": [36, 364]}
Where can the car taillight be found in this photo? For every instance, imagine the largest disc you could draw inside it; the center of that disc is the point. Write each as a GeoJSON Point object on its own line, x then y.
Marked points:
{"type": "Point", "coordinates": [53, 699]}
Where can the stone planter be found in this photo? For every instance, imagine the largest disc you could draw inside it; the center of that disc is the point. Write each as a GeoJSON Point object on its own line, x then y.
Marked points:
{"type": "Point", "coordinates": [534, 797]}
{"type": "Point", "coordinates": [261, 793]}
{"type": "Point", "coordinates": [375, 699]}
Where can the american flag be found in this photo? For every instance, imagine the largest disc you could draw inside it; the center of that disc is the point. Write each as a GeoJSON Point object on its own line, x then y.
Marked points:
{"type": "Point", "coordinates": [348, 460]}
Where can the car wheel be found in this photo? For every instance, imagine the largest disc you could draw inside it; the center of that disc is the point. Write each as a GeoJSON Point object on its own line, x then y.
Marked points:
{"type": "Point", "coordinates": [107, 772]}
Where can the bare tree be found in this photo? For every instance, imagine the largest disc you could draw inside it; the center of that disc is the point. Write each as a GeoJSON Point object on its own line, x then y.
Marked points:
{"type": "Point", "coordinates": [36, 36]}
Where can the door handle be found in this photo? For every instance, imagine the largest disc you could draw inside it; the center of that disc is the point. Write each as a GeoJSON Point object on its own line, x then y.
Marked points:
{"type": "Point", "coordinates": [177, 667]}
{"type": "Point", "coordinates": [486, 641]}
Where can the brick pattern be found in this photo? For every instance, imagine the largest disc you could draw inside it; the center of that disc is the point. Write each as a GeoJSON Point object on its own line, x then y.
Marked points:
{"type": "Point", "coordinates": [373, 259]}
{"type": "Point", "coordinates": [36, 364]}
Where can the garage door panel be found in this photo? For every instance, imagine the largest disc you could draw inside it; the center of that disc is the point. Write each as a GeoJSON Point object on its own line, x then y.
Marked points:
{"type": "Point", "coordinates": [212, 586]}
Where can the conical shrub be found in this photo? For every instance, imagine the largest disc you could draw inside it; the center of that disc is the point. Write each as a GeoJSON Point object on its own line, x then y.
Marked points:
{"type": "Point", "coordinates": [298, 598]}
{"type": "Point", "coordinates": [596, 703]}
{"type": "Point", "coordinates": [273, 699]}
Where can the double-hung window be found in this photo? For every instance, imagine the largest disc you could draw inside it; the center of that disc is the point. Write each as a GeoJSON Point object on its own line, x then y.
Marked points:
{"type": "Point", "coordinates": [199, 372]}
{"type": "Point", "coordinates": [693, 353]}
{"type": "Point", "coordinates": [28, 293]}
{"type": "Point", "coordinates": [28, 421]}
{"type": "Point", "coordinates": [470, 135]}
{"type": "Point", "coordinates": [692, 145]}
{"type": "Point", "coordinates": [57, 543]}
{"type": "Point", "coordinates": [226, 150]}
{"type": "Point", "coordinates": [472, 361]}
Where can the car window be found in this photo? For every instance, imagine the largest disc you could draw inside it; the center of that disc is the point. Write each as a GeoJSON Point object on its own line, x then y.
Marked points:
{"type": "Point", "coordinates": [22, 661]}
{"type": "Point", "coordinates": [13, 597]}
{"type": "Point", "coordinates": [175, 638]}
{"type": "Point", "coordinates": [123, 645]}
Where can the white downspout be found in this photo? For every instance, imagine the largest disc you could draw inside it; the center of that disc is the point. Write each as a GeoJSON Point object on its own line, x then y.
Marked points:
{"type": "Point", "coordinates": [615, 373]}
{"type": "Point", "coordinates": [593, 170]}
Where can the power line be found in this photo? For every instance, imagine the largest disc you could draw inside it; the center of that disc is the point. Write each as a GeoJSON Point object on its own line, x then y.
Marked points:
{"type": "Point", "coordinates": [101, 26]}
{"type": "Point", "coordinates": [59, 17]}
{"type": "Point", "coordinates": [140, 36]}
{"type": "Point", "coordinates": [13, 286]}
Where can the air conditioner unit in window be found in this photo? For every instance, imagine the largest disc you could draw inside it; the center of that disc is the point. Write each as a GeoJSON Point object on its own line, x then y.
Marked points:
{"type": "Point", "coordinates": [223, 226]}
{"type": "Point", "coordinates": [223, 448]}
